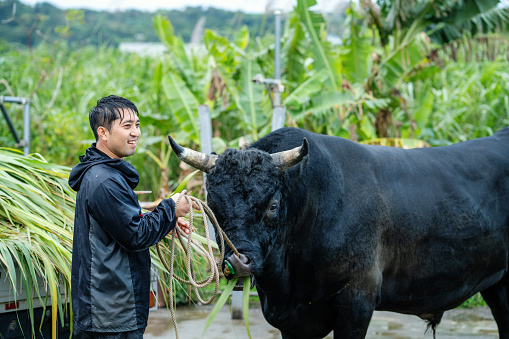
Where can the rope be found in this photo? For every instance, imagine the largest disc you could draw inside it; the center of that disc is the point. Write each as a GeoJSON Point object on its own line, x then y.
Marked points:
{"type": "Point", "coordinates": [198, 247]}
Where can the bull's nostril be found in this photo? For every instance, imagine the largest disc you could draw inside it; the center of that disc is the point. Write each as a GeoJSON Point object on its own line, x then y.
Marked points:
{"type": "Point", "coordinates": [243, 259]}
{"type": "Point", "coordinates": [237, 266]}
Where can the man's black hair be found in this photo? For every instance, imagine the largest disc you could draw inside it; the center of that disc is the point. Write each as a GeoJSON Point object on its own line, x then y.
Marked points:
{"type": "Point", "coordinates": [109, 109]}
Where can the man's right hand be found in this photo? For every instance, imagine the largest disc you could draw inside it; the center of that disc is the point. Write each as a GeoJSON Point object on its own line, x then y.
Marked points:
{"type": "Point", "coordinates": [183, 207]}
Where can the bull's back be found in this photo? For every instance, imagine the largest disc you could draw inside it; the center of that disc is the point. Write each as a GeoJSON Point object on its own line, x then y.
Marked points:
{"type": "Point", "coordinates": [446, 231]}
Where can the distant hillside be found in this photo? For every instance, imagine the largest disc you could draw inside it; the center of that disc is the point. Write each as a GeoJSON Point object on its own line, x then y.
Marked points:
{"type": "Point", "coordinates": [99, 27]}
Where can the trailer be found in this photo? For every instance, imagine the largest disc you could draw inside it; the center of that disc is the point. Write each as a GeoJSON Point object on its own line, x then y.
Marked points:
{"type": "Point", "coordinates": [15, 318]}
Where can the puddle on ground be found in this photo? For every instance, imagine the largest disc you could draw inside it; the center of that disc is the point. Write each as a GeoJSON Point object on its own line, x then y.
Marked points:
{"type": "Point", "coordinates": [191, 320]}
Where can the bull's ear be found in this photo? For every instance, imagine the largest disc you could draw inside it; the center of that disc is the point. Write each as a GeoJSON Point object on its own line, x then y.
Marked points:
{"type": "Point", "coordinates": [198, 160]}
{"type": "Point", "coordinates": [286, 159]}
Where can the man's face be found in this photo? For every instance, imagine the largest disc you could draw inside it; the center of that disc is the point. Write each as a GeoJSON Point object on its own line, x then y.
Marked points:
{"type": "Point", "coordinates": [123, 137]}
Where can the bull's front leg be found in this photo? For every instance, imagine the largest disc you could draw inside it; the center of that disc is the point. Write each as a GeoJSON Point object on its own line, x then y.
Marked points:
{"type": "Point", "coordinates": [354, 312]}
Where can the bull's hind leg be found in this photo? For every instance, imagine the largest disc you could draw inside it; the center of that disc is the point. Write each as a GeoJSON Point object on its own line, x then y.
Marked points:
{"type": "Point", "coordinates": [497, 299]}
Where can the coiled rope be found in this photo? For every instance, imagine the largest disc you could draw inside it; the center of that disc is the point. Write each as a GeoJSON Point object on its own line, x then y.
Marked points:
{"type": "Point", "coordinates": [198, 247]}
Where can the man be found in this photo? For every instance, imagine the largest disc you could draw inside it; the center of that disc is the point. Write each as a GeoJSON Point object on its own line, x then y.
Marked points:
{"type": "Point", "coordinates": [111, 259]}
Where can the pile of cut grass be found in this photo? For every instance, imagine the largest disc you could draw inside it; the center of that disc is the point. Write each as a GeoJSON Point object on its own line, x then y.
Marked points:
{"type": "Point", "coordinates": [36, 219]}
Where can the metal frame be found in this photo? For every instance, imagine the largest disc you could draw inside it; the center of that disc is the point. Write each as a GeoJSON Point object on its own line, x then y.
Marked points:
{"type": "Point", "coordinates": [25, 143]}
{"type": "Point", "coordinates": [274, 85]}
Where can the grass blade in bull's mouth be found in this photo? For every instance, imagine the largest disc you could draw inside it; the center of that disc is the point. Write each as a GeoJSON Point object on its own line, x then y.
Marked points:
{"type": "Point", "coordinates": [220, 303]}
{"type": "Point", "coordinates": [245, 303]}
{"type": "Point", "coordinates": [245, 285]}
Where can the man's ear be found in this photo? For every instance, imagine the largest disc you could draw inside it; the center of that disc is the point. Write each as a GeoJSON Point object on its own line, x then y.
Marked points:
{"type": "Point", "coordinates": [102, 133]}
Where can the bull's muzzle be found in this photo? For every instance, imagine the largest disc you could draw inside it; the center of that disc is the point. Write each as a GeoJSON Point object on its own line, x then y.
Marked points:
{"type": "Point", "coordinates": [237, 267]}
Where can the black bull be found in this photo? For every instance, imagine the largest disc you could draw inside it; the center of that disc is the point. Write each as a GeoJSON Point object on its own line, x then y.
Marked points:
{"type": "Point", "coordinates": [332, 230]}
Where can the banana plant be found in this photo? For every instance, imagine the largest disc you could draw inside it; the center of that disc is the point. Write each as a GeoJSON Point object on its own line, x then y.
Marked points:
{"type": "Point", "coordinates": [179, 77]}
{"type": "Point", "coordinates": [330, 85]}
{"type": "Point", "coordinates": [472, 19]}
{"type": "Point", "coordinates": [405, 29]}
{"type": "Point", "coordinates": [249, 97]}
{"type": "Point", "coordinates": [220, 75]}
{"type": "Point", "coordinates": [324, 56]}
{"type": "Point", "coordinates": [442, 20]}
{"type": "Point", "coordinates": [183, 103]}
{"type": "Point", "coordinates": [294, 52]}
{"type": "Point", "coordinates": [238, 62]}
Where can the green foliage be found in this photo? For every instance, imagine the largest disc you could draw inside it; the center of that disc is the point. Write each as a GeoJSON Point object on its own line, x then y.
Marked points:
{"type": "Point", "coordinates": [338, 90]}
{"type": "Point", "coordinates": [443, 20]}
{"type": "Point", "coordinates": [246, 287]}
{"type": "Point", "coordinates": [184, 105]}
{"type": "Point", "coordinates": [474, 301]}
{"type": "Point", "coordinates": [249, 98]}
{"type": "Point", "coordinates": [63, 84]}
{"type": "Point", "coordinates": [293, 52]}
{"type": "Point", "coordinates": [469, 18]}
{"type": "Point", "coordinates": [356, 55]}
{"type": "Point", "coordinates": [471, 101]}
{"type": "Point", "coordinates": [220, 302]}
{"type": "Point", "coordinates": [324, 58]}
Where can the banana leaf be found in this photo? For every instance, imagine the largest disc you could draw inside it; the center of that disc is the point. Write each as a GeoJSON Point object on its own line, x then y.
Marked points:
{"type": "Point", "coordinates": [324, 59]}
{"type": "Point", "coordinates": [250, 96]}
{"type": "Point", "coordinates": [183, 103]}
{"type": "Point", "coordinates": [293, 51]}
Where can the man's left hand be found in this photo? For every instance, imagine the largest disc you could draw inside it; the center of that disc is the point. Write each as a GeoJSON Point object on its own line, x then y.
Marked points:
{"type": "Point", "coordinates": [184, 225]}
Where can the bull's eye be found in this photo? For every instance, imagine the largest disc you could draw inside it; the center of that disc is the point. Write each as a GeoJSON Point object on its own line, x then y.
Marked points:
{"type": "Point", "coordinates": [272, 212]}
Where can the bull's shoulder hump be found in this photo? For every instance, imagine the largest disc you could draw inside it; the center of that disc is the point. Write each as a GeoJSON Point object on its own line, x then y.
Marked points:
{"type": "Point", "coordinates": [502, 133]}
{"type": "Point", "coordinates": [289, 137]}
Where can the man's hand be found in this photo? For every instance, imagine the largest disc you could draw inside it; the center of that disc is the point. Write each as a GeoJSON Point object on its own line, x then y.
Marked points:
{"type": "Point", "coordinates": [181, 211]}
{"type": "Point", "coordinates": [184, 225]}
{"type": "Point", "coordinates": [183, 207]}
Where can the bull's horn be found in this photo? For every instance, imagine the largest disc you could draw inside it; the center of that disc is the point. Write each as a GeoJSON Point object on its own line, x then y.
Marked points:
{"type": "Point", "coordinates": [286, 159]}
{"type": "Point", "coordinates": [203, 162]}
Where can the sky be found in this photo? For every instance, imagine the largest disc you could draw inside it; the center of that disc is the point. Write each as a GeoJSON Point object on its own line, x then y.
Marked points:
{"type": "Point", "coordinates": [248, 6]}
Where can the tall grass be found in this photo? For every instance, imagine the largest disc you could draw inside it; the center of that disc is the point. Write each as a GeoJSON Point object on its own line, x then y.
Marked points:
{"type": "Point", "coordinates": [64, 83]}
{"type": "Point", "coordinates": [471, 100]}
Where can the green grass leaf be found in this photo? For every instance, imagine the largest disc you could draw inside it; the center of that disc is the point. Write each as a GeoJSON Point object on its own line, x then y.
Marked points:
{"type": "Point", "coordinates": [220, 303]}
{"type": "Point", "coordinates": [245, 303]}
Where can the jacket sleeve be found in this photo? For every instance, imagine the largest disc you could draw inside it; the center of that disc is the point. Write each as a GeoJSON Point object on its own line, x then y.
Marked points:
{"type": "Point", "coordinates": [115, 207]}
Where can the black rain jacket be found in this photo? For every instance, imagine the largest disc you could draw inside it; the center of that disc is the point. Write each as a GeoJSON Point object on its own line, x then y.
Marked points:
{"type": "Point", "coordinates": [111, 261]}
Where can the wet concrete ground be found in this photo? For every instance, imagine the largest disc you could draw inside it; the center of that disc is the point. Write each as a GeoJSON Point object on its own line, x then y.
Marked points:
{"type": "Point", "coordinates": [475, 323]}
